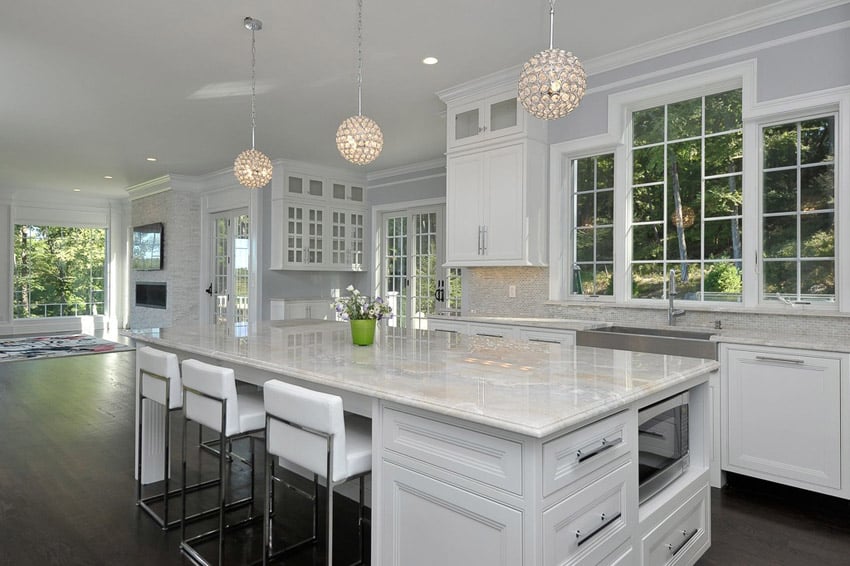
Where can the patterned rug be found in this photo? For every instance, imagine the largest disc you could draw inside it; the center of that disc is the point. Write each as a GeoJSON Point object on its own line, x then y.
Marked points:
{"type": "Point", "coordinates": [33, 347]}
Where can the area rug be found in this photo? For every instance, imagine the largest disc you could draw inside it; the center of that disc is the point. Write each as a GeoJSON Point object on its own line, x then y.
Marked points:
{"type": "Point", "coordinates": [34, 347]}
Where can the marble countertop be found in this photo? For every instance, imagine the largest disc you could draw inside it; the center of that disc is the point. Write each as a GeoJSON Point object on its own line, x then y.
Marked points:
{"type": "Point", "coordinates": [775, 337]}
{"type": "Point", "coordinates": [531, 388]}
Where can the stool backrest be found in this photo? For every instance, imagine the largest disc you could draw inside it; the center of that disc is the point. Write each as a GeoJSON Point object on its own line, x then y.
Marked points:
{"type": "Point", "coordinates": [319, 412]}
{"type": "Point", "coordinates": [212, 381]}
{"type": "Point", "coordinates": [164, 364]}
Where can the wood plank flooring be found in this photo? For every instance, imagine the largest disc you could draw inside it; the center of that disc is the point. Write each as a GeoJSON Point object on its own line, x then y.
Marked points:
{"type": "Point", "coordinates": [67, 488]}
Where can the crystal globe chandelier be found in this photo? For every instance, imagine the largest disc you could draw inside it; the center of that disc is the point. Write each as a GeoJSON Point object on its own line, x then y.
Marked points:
{"type": "Point", "coordinates": [359, 139]}
{"type": "Point", "coordinates": [552, 82]}
{"type": "Point", "coordinates": [253, 169]}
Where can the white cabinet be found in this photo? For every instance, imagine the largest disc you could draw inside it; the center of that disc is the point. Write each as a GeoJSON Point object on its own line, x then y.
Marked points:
{"type": "Point", "coordinates": [317, 223]}
{"type": "Point", "coordinates": [484, 119]}
{"type": "Point", "coordinates": [495, 206]}
{"type": "Point", "coordinates": [290, 309]}
{"type": "Point", "coordinates": [781, 416]}
{"type": "Point", "coordinates": [683, 536]}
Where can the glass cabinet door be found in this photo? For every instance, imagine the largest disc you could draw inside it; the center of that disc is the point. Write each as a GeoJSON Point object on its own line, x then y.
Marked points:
{"type": "Point", "coordinates": [467, 124]}
{"type": "Point", "coordinates": [503, 115]}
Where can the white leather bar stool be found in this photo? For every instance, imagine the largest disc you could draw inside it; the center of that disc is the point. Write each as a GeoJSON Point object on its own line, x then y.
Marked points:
{"type": "Point", "coordinates": [308, 429]}
{"type": "Point", "coordinates": [159, 382]}
{"type": "Point", "coordinates": [210, 399]}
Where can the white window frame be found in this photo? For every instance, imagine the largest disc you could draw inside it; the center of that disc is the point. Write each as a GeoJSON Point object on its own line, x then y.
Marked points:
{"type": "Point", "coordinates": [617, 139]}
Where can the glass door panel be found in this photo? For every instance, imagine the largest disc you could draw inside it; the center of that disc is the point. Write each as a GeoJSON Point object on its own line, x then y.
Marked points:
{"type": "Point", "coordinates": [230, 283]}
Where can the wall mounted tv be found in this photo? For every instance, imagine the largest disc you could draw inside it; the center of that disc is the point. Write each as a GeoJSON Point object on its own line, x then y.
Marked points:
{"type": "Point", "coordinates": [147, 247]}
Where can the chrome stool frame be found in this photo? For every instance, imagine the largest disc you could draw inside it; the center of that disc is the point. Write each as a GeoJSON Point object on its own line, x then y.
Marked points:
{"type": "Point", "coordinates": [225, 455]}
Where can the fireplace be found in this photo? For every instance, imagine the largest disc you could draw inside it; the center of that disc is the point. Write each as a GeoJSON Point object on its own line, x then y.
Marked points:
{"type": "Point", "coordinates": [151, 295]}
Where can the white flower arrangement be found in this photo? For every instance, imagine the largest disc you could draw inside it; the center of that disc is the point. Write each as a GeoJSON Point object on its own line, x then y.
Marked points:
{"type": "Point", "coordinates": [360, 307]}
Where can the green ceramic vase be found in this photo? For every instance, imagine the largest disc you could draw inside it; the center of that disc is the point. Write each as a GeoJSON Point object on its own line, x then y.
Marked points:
{"type": "Point", "coordinates": [363, 331]}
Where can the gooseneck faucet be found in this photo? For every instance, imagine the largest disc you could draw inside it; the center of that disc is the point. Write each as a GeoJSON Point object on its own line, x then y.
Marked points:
{"type": "Point", "coordinates": [672, 313]}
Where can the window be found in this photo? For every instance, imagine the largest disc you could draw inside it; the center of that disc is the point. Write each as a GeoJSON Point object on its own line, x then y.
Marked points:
{"type": "Point", "coordinates": [686, 198]}
{"type": "Point", "coordinates": [59, 271]}
{"type": "Point", "coordinates": [593, 225]}
{"type": "Point", "coordinates": [798, 211]}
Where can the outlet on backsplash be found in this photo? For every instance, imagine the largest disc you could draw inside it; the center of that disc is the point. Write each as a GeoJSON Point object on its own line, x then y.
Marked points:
{"type": "Point", "coordinates": [512, 291]}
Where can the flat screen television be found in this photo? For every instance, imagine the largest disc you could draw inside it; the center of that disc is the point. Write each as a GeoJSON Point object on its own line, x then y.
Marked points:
{"type": "Point", "coordinates": [147, 247]}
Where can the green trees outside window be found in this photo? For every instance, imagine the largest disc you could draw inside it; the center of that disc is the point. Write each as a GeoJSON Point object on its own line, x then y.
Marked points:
{"type": "Point", "coordinates": [686, 196]}
{"type": "Point", "coordinates": [593, 225]}
{"type": "Point", "coordinates": [59, 271]}
{"type": "Point", "coordinates": [798, 211]}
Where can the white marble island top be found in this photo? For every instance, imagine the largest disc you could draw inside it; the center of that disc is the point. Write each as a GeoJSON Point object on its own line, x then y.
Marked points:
{"type": "Point", "coordinates": [531, 388]}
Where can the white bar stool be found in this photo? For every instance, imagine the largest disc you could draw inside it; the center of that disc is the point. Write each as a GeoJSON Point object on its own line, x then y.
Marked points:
{"type": "Point", "coordinates": [308, 429]}
{"type": "Point", "coordinates": [159, 382]}
{"type": "Point", "coordinates": [210, 399]}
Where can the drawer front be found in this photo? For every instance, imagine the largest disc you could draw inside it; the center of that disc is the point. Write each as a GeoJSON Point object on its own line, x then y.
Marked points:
{"type": "Point", "coordinates": [492, 330]}
{"type": "Point", "coordinates": [576, 454]}
{"type": "Point", "coordinates": [446, 326]}
{"type": "Point", "coordinates": [680, 538]}
{"type": "Point", "coordinates": [563, 337]}
{"type": "Point", "coordinates": [475, 455]}
{"type": "Point", "coordinates": [589, 525]}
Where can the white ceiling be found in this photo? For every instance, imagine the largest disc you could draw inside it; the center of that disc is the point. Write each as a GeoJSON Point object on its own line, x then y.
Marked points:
{"type": "Point", "coordinates": [92, 87]}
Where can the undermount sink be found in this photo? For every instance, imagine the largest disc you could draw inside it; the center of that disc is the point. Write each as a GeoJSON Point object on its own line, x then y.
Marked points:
{"type": "Point", "coordinates": [671, 341]}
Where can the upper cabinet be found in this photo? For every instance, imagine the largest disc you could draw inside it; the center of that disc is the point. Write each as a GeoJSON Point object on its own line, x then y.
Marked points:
{"type": "Point", "coordinates": [317, 221]}
{"type": "Point", "coordinates": [481, 120]}
{"type": "Point", "coordinates": [496, 177]}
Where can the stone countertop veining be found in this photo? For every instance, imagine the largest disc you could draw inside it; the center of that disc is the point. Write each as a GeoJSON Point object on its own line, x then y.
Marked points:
{"type": "Point", "coordinates": [530, 388]}
{"type": "Point", "coordinates": [773, 337]}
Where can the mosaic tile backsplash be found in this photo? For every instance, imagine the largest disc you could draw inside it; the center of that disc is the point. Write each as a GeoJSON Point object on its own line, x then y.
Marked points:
{"type": "Point", "coordinates": [485, 293]}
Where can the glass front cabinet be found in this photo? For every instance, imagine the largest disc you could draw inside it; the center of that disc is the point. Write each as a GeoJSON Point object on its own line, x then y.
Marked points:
{"type": "Point", "coordinates": [317, 222]}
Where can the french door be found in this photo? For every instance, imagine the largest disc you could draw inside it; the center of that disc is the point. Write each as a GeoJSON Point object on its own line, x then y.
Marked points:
{"type": "Point", "coordinates": [230, 267]}
{"type": "Point", "coordinates": [413, 278]}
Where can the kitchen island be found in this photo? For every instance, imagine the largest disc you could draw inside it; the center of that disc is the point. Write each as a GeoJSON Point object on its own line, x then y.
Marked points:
{"type": "Point", "coordinates": [485, 450]}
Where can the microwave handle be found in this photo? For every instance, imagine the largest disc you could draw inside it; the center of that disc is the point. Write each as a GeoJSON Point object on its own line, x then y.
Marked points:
{"type": "Point", "coordinates": [654, 410]}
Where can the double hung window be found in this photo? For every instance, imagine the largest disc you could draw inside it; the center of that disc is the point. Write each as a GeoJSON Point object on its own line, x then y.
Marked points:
{"type": "Point", "coordinates": [593, 225]}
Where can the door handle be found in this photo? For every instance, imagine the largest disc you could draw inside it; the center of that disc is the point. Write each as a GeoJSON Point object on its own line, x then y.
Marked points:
{"type": "Point", "coordinates": [208, 290]}
{"type": "Point", "coordinates": [440, 293]}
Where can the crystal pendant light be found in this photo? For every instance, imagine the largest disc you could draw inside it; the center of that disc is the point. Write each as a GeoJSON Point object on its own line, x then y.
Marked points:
{"type": "Point", "coordinates": [253, 169]}
{"type": "Point", "coordinates": [359, 139]}
{"type": "Point", "coordinates": [552, 82]}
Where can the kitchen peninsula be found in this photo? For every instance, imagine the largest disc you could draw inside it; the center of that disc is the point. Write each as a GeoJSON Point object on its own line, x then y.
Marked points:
{"type": "Point", "coordinates": [486, 450]}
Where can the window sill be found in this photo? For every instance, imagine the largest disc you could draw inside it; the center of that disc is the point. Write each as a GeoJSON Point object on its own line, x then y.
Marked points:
{"type": "Point", "coordinates": [731, 308]}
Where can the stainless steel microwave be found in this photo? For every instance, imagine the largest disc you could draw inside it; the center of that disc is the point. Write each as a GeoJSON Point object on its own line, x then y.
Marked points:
{"type": "Point", "coordinates": [663, 452]}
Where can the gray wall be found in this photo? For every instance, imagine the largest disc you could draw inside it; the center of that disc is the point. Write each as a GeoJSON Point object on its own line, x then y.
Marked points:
{"type": "Point", "coordinates": [807, 64]}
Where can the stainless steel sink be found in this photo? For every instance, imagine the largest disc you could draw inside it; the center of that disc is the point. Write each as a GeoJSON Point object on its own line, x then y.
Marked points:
{"type": "Point", "coordinates": [672, 341]}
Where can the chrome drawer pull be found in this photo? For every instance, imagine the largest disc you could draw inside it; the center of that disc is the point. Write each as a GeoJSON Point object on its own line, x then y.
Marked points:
{"type": "Point", "coordinates": [780, 360]}
{"type": "Point", "coordinates": [544, 340]}
{"type": "Point", "coordinates": [445, 330]}
{"type": "Point", "coordinates": [606, 444]}
{"type": "Point", "coordinates": [675, 549]}
{"type": "Point", "coordinates": [595, 531]}
{"type": "Point", "coordinates": [489, 335]}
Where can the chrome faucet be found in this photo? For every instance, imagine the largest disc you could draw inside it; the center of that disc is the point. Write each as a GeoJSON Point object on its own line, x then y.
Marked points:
{"type": "Point", "coordinates": [672, 313]}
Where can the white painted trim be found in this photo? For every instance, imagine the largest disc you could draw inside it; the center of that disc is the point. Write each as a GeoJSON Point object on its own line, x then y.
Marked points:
{"type": "Point", "coordinates": [406, 170]}
{"type": "Point", "coordinates": [727, 27]}
{"type": "Point", "coordinates": [148, 188]}
{"type": "Point", "coordinates": [410, 180]}
{"type": "Point", "coordinates": [500, 80]}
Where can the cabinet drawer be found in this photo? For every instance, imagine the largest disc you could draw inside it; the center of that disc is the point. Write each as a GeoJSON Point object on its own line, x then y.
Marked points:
{"type": "Point", "coordinates": [574, 455]}
{"type": "Point", "coordinates": [564, 337]}
{"type": "Point", "coordinates": [587, 526]}
{"type": "Point", "coordinates": [681, 536]}
{"type": "Point", "coordinates": [492, 330]}
{"type": "Point", "coordinates": [478, 456]}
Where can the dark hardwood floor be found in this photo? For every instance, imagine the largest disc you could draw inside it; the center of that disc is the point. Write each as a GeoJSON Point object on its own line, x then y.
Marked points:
{"type": "Point", "coordinates": [67, 488]}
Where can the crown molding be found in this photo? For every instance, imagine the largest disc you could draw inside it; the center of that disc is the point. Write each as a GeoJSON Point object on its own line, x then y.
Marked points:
{"type": "Point", "coordinates": [505, 79]}
{"type": "Point", "coordinates": [411, 169]}
{"type": "Point", "coordinates": [727, 27]}
{"type": "Point", "coordinates": [149, 188]}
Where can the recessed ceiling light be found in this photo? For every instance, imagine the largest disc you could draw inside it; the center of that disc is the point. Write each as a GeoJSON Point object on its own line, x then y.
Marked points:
{"type": "Point", "coordinates": [151, 159]}
{"type": "Point", "coordinates": [77, 190]}
{"type": "Point", "coordinates": [107, 176]}
{"type": "Point", "coordinates": [430, 60]}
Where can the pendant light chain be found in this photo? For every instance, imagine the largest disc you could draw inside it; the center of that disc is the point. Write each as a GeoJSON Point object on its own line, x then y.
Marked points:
{"type": "Point", "coordinates": [551, 24]}
{"type": "Point", "coordinates": [253, 85]}
{"type": "Point", "coordinates": [359, 57]}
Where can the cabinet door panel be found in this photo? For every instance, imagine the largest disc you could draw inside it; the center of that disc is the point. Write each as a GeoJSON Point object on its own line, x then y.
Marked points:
{"type": "Point", "coordinates": [504, 211]}
{"type": "Point", "coordinates": [463, 208]}
{"type": "Point", "coordinates": [428, 522]}
{"type": "Point", "coordinates": [784, 416]}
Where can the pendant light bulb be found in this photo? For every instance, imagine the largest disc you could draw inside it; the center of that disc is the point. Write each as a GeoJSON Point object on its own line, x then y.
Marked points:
{"type": "Point", "coordinates": [252, 168]}
{"type": "Point", "coordinates": [359, 139]}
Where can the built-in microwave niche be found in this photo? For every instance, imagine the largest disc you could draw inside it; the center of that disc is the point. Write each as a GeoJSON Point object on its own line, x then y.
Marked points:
{"type": "Point", "coordinates": [147, 247]}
